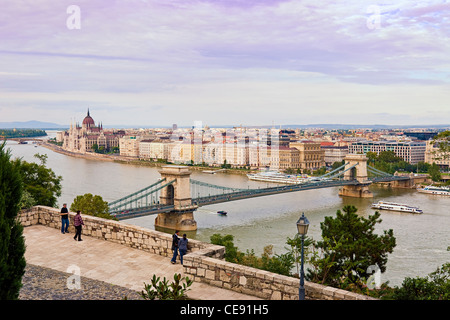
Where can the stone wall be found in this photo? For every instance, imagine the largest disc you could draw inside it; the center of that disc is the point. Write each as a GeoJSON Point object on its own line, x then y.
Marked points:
{"type": "Point", "coordinates": [130, 235]}
{"type": "Point", "coordinates": [203, 263]}
{"type": "Point", "coordinates": [260, 283]}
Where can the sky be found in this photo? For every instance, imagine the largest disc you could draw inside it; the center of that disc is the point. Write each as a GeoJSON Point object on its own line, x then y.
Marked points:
{"type": "Point", "coordinates": [249, 62]}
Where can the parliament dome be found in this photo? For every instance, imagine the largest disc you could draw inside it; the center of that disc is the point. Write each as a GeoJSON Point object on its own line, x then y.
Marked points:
{"type": "Point", "coordinates": [88, 121]}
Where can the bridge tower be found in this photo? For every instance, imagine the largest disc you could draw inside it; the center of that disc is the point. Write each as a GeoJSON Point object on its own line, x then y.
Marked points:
{"type": "Point", "coordinates": [359, 173]}
{"type": "Point", "coordinates": [177, 194]}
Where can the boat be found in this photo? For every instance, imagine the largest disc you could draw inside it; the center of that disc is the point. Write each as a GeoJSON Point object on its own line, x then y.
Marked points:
{"type": "Point", "coordinates": [392, 206]}
{"type": "Point", "coordinates": [223, 213]}
{"type": "Point", "coordinates": [443, 191]}
{"type": "Point", "coordinates": [277, 177]}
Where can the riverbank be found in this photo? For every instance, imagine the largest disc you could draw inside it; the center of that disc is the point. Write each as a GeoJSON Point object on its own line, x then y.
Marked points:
{"type": "Point", "coordinates": [135, 161]}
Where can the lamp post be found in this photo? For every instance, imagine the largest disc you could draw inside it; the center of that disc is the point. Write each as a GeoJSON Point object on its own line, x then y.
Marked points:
{"type": "Point", "coordinates": [302, 229]}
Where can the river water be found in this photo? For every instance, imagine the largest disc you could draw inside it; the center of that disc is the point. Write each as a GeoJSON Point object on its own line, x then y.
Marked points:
{"type": "Point", "coordinates": [422, 240]}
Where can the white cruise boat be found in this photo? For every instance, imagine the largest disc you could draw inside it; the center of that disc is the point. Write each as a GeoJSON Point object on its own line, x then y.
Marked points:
{"type": "Point", "coordinates": [277, 177]}
{"type": "Point", "coordinates": [392, 206]}
{"type": "Point", "coordinates": [443, 191]}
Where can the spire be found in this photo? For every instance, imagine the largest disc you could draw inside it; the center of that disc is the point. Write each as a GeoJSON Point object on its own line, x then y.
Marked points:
{"type": "Point", "coordinates": [88, 113]}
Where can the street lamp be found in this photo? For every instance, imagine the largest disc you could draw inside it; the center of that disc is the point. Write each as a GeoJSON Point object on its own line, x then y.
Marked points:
{"type": "Point", "coordinates": [302, 228]}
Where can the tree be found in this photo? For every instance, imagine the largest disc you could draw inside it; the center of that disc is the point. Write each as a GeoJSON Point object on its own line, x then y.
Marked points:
{"type": "Point", "coordinates": [40, 182]}
{"type": "Point", "coordinates": [281, 264]}
{"type": "Point", "coordinates": [435, 172]}
{"type": "Point", "coordinates": [91, 205]}
{"type": "Point", "coordinates": [349, 247]}
{"type": "Point", "coordinates": [436, 286]}
{"type": "Point", "coordinates": [389, 157]}
{"type": "Point", "coordinates": [12, 242]}
{"type": "Point", "coordinates": [232, 254]}
{"type": "Point", "coordinates": [337, 164]}
{"type": "Point", "coordinates": [443, 142]}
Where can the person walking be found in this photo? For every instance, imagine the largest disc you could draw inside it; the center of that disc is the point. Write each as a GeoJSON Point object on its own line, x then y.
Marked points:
{"type": "Point", "coordinates": [182, 246]}
{"type": "Point", "coordinates": [175, 247]}
{"type": "Point", "coordinates": [64, 219]}
{"type": "Point", "coordinates": [78, 223]}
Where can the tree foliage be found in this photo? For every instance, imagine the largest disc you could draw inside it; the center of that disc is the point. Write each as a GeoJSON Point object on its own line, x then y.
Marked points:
{"type": "Point", "coordinates": [12, 242]}
{"type": "Point", "coordinates": [348, 248]}
{"type": "Point", "coordinates": [277, 263]}
{"type": "Point", "coordinates": [435, 286]}
{"type": "Point", "coordinates": [41, 183]}
{"type": "Point", "coordinates": [91, 205]}
{"type": "Point", "coordinates": [443, 142]}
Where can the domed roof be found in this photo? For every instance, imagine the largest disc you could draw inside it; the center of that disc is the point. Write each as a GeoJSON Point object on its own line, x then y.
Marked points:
{"type": "Point", "coordinates": [88, 121]}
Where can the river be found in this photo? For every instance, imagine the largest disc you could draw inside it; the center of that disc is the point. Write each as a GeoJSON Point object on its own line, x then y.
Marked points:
{"type": "Point", "coordinates": [422, 240]}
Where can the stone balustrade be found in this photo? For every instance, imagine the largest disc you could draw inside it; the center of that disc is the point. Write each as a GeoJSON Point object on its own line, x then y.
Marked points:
{"type": "Point", "coordinates": [260, 283]}
{"type": "Point", "coordinates": [203, 263]}
{"type": "Point", "coordinates": [151, 241]}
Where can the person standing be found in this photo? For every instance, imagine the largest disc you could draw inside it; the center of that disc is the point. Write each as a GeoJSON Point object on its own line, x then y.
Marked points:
{"type": "Point", "coordinates": [174, 246]}
{"type": "Point", "coordinates": [182, 246]}
{"type": "Point", "coordinates": [78, 223]}
{"type": "Point", "coordinates": [64, 219]}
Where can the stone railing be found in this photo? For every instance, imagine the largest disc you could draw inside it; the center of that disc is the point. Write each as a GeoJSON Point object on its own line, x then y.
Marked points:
{"type": "Point", "coordinates": [130, 235]}
{"type": "Point", "coordinates": [263, 284]}
{"type": "Point", "coordinates": [203, 263]}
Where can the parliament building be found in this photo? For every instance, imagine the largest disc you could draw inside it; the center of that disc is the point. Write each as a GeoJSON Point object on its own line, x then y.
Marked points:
{"type": "Point", "coordinates": [88, 137]}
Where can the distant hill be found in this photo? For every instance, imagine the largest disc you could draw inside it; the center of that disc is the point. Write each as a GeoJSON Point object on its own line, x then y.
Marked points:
{"type": "Point", "coordinates": [31, 125]}
{"type": "Point", "coordinates": [368, 126]}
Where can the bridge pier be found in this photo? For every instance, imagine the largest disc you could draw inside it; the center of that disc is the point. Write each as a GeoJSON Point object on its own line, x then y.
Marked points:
{"type": "Point", "coordinates": [356, 191]}
{"type": "Point", "coordinates": [359, 173]}
{"type": "Point", "coordinates": [179, 195]}
{"type": "Point", "coordinates": [176, 220]}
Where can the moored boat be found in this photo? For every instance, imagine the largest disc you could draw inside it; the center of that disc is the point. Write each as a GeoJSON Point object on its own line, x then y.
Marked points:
{"type": "Point", "coordinates": [392, 206]}
{"type": "Point", "coordinates": [277, 177]}
{"type": "Point", "coordinates": [442, 191]}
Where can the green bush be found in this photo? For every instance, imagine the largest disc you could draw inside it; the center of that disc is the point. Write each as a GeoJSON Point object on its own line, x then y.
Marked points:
{"type": "Point", "coordinates": [162, 290]}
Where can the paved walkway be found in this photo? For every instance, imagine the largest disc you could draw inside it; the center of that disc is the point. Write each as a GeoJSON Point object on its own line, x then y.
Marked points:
{"type": "Point", "coordinates": [110, 262]}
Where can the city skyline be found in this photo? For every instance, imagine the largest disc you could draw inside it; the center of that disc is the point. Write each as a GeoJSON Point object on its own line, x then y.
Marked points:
{"type": "Point", "coordinates": [226, 62]}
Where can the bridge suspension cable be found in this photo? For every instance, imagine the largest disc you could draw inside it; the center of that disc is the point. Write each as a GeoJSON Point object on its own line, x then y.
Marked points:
{"type": "Point", "coordinates": [377, 172]}
{"type": "Point", "coordinates": [333, 171]}
{"type": "Point", "coordinates": [134, 200]}
{"type": "Point", "coordinates": [201, 189]}
{"type": "Point", "coordinates": [341, 173]}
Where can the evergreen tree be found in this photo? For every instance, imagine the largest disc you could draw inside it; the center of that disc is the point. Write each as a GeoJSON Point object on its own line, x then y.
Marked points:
{"type": "Point", "coordinates": [349, 247]}
{"type": "Point", "coordinates": [12, 242]}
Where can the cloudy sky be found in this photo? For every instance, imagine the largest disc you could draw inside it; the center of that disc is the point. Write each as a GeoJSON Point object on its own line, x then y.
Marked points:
{"type": "Point", "coordinates": [159, 62]}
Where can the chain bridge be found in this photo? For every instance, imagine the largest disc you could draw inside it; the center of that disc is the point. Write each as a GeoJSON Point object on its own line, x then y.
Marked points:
{"type": "Point", "coordinates": [175, 196]}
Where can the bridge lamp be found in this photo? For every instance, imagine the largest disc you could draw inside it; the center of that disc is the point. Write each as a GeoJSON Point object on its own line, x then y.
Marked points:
{"type": "Point", "coordinates": [302, 229]}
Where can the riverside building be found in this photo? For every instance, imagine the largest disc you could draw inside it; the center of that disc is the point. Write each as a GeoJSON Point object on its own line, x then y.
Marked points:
{"type": "Point", "coordinates": [410, 151]}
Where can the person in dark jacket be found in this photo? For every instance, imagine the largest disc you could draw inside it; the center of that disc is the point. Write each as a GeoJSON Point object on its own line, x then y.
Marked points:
{"type": "Point", "coordinates": [64, 219]}
{"type": "Point", "coordinates": [78, 222]}
{"type": "Point", "coordinates": [175, 246]}
{"type": "Point", "coordinates": [182, 247]}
